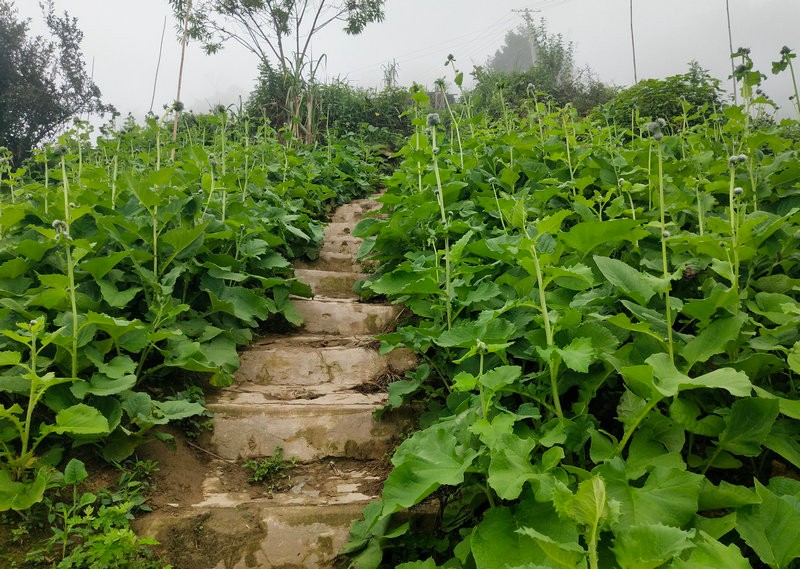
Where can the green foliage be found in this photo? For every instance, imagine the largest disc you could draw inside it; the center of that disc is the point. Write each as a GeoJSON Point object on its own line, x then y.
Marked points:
{"type": "Point", "coordinates": [333, 109]}
{"type": "Point", "coordinates": [607, 318]}
{"type": "Point", "coordinates": [551, 75]}
{"type": "Point", "coordinates": [43, 83]}
{"type": "Point", "coordinates": [88, 529]}
{"type": "Point", "coordinates": [694, 95]}
{"type": "Point", "coordinates": [271, 471]}
{"type": "Point", "coordinates": [124, 275]}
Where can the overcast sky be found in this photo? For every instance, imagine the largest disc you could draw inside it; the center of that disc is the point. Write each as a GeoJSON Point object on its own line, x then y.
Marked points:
{"type": "Point", "coordinates": [122, 40]}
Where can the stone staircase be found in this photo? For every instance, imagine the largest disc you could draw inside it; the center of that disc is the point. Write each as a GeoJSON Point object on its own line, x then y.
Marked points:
{"type": "Point", "coordinates": [311, 394]}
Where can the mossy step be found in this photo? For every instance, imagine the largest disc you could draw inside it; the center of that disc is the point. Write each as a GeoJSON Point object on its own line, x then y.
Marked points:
{"type": "Point", "coordinates": [331, 284]}
{"type": "Point", "coordinates": [252, 423]}
{"type": "Point", "coordinates": [320, 363]}
{"type": "Point", "coordinates": [346, 317]}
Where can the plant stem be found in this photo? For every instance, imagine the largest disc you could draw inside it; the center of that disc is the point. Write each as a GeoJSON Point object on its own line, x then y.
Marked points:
{"type": "Point", "coordinates": [454, 122]}
{"type": "Point", "coordinates": [67, 235]}
{"type": "Point", "coordinates": [440, 199]}
{"type": "Point", "coordinates": [734, 222]}
{"type": "Point", "coordinates": [548, 329]}
{"type": "Point", "coordinates": [668, 307]}
{"type": "Point", "coordinates": [794, 84]}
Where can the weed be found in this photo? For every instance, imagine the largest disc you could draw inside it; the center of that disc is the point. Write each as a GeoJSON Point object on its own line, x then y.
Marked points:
{"type": "Point", "coordinates": [270, 471]}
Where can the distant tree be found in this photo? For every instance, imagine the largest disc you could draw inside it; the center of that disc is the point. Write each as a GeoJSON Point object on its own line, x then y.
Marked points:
{"type": "Point", "coordinates": [43, 83]}
{"type": "Point", "coordinates": [515, 55]}
{"type": "Point", "coordinates": [279, 33]}
{"type": "Point", "coordinates": [533, 46]}
{"type": "Point", "coordinates": [533, 59]}
{"type": "Point", "coordinates": [650, 99]}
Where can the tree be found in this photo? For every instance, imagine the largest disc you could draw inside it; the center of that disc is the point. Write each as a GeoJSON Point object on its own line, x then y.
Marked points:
{"type": "Point", "coordinates": [276, 31]}
{"type": "Point", "coordinates": [535, 60]}
{"type": "Point", "coordinates": [279, 33]}
{"type": "Point", "coordinates": [532, 46]}
{"type": "Point", "coordinates": [43, 83]}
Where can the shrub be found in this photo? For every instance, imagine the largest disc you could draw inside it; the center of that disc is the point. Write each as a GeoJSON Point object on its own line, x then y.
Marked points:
{"type": "Point", "coordinates": [664, 98]}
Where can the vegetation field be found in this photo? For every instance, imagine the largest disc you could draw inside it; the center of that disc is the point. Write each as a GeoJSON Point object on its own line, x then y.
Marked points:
{"type": "Point", "coordinates": [602, 286]}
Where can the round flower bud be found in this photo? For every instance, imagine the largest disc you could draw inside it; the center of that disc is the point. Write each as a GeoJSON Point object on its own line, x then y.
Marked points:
{"type": "Point", "coordinates": [661, 122]}
{"type": "Point", "coordinates": [665, 234]}
{"type": "Point", "coordinates": [433, 119]}
{"type": "Point", "coordinates": [658, 136]}
{"type": "Point", "coordinates": [738, 191]}
{"type": "Point", "coordinates": [742, 157]}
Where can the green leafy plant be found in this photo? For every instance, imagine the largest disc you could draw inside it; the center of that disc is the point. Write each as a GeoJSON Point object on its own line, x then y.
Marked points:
{"type": "Point", "coordinates": [615, 384]}
{"type": "Point", "coordinates": [271, 471]}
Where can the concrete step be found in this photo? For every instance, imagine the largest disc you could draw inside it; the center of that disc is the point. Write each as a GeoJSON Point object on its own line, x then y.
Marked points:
{"type": "Point", "coordinates": [332, 284]}
{"type": "Point", "coordinates": [331, 261]}
{"type": "Point", "coordinates": [354, 211]}
{"type": "Point", "coordinates": [338, 229]}
{"type": "Point", "coordinates": [316, 365]}
{"type": "Point", "coordinates": [346, 317]}
{"type": "Point", "coordinates": [342, 244]}
{"type": "Point", "coordinates": [303, 524]}
{"type": "Point", "coordinates": [249, 422]}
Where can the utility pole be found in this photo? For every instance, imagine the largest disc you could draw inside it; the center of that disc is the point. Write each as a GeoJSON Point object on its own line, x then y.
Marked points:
{"type": "Point", "coordinates": [633, 47]}
{"type": "Point", "coordinates": [526, 15]}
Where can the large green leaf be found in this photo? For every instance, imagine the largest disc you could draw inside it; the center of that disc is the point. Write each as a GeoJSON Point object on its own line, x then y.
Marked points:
{"type": "Point", "coordinates": [641, 287]}
{"type": "Point", "coordinates": [510, 465]}
{"type": "Point", "coordinates": [708, 553]}
{"type": "Point", "coordinates": [660, 377]}
{"type": "Point", "coordinates": [21, 495]}
{"type": "Point", "coordinates": [771, 527]}
{"type": "Point", "coordinates": [587, 235]}
{"type": "Point", "coordinates": [430, 458]}
{"type": "Point", "coordinates": [668, 496]}
{"type": "Point", "coordinates": [650, 546]}
{"type": "Point", "coordinates": [747, 425]}
{"type": "Point", "coordinates": [80, 419]}
{"type": "Point", "coordinates": [499, 541]}
{"type": "Point", "coordinates": [713, 339]}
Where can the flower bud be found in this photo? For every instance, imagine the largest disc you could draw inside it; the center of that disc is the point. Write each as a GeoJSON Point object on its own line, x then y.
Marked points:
{"type": "Point", "coordinates": [665, 234]}
{"type": "Point", "coordinates": [738, 191]}
{"type": "Point", "coordinates": [434, 120]}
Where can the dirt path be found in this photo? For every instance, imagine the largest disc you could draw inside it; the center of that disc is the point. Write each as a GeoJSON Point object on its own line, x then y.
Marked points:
{"type": "Point", "coordinates": [312, 394]}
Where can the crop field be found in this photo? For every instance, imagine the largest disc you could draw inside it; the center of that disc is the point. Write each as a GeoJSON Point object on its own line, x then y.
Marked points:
{"type": "Point", "coordinates": [604, 303]}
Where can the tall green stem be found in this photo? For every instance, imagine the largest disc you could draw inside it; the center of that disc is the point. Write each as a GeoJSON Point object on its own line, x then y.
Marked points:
{"type": "Point", "coordinates": [548, 329]}
{"type": "Point", "coordinates": [70, 266]}
{"type": "Point", "coordinates": [664, 236]}
{"type": "Point", "coordinates": [440, 199]}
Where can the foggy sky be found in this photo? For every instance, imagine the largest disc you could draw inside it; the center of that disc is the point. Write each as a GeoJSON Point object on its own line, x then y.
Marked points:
{"type": "Point", "coordinates": [122, 39]}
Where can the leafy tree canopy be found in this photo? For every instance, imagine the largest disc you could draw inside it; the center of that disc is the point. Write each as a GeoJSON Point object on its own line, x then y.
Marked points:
{"type": "Point", "coordinates": [534, 60]}
{"type": "Point", "coordinates": [43, 83]}
{"type": "Point", "coordinates": [276, 31]}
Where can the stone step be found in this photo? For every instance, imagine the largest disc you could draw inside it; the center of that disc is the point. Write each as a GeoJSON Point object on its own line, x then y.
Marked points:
{"type": "Point", "coordinates": [346, 244]}
{"type": "Point", "coordinates": [338, 229]}
{"type": "Point", "coordinates": [354, 211]}
{"type": "Point", "coordinates": [251, 423]}
{"type": "Point", "coordinates": [346, 317]}
{"type": "Point", "coordinates": [315, 365]}
{"type": "Point", "coordinates": [301, 524]}
{"type": "Point", "coordinates": [331, 261]}
{"type": "Point", "coordinates": [331, 284]}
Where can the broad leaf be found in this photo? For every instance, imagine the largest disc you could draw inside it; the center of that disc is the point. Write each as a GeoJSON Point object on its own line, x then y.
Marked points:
{"type": "Point", "coordinates": [431, 458]}
{"type": "Point", "coordinates": [771, 527]}
{"type": "Point", "coordinates": [641, 287]}
{"type": "Point", "coordinates": [650, 546]}
{"type": "Point", "coordinates": [747, 426]}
